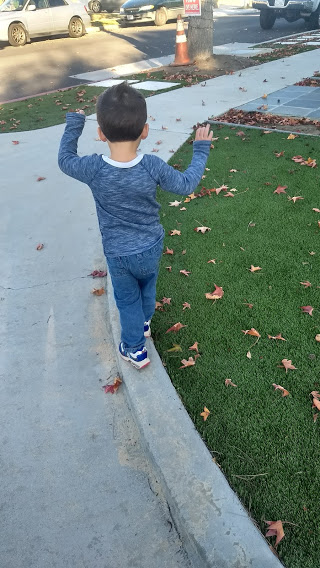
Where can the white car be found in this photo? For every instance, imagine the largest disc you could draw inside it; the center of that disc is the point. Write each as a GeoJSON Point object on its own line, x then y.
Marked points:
{"type": "Point", "coordinates": [20, 20]}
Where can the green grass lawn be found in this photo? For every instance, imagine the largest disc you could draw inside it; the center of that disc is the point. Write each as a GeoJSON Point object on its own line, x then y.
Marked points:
{"type": "Point", "coordinates": [267, 445]}
{"type": "Point", "coordinates": [50, 109]}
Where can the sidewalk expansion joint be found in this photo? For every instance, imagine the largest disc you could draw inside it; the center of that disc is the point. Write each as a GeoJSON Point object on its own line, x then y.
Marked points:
{"type": "Point", "coordinates": [42, 284]}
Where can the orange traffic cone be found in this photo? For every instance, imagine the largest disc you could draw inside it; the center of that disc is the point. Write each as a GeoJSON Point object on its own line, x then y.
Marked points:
{"type": "Point", "coordinates": [181, 55]}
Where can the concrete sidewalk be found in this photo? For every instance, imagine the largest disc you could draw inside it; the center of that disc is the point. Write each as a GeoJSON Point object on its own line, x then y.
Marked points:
{"type": "Point", "coordinates": [78, 489]}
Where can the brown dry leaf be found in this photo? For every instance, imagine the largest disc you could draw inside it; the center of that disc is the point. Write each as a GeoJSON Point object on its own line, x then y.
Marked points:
{"type": "Point", "coordinates": [183, 208]}
{"type": "Point", "coordinates": [292, 136]}
{"type": "Point", "coordinates": [275, 529]}
{"type": "Point", "coordinates": [169, 268]}
{"type": "Point", "coordinates": [286, 364]}
{"type": "Point", "coordinates": [98, 273]}
{"type": "Point", "coordinates": [279, 336]}
{"type": "Point", "coordinates": [175, 203]}
{"type": "Point", "coordinates": [185, 272]}
{"type": "Point", "coordinates": [295, 198]}
{"type": "Point", "coordinates": [249, 355]}
{"type": "Point", "coordinates": [316, 209]}
{"type": "Point", "coordinates": [15, 142]}
{"type": "Point", "coordinates": [186, 305]}
{"type": "Point", "coordinates": [40, 178]}
{"type": "Point", "coordinates": [281, 189]}
{"type": "Point", "coordinates": [40, 246]}
{"type": "Point", "coordinates": [205, 413]}
{"type": "Point", "coordinates": [213, 261]}
{"type": "Point", "coordinates": [176, 327]}
{"type": "Point", "coordinates": [279, 387]}
{"type": "Point", "coordinates": [114, 387]}
{"type": "Point", "coordinates": [228, 382]}
{"type": "Point", "coordinates": [98, 291]}
{"type": "Point", "coordinates": [187, 363]}
{"type": "Point", "coordinates": [312, 253]}
{"type": "Point", "coordinates": [159, 306]}
{"type": "Point", "coordinates": [159, 142]}
{"type": "Point", "coordinates": [174, 232]}
{"type": "Point", "coordinates": [216, 294]}
{"type": "Point", "coordinates": [166, 300]}
{"type": "Point", "coordinates": [279, 154]}
{"type": "Point", "coordinates": [168, 251]}
{"type": "Point", "coordinates": [184, 251]}
{"type": "Point", "coordinates": [307, 309]}
{"type": "Point", "coordinates": [315, 394]}
{"type": "Point", "coordinates": [202, 229]}
{"type": "Point", "coordinates": [251, 331]}
{"type": "Point", "coordinates": [233, 171]}
{"type": "Point", "coordinates": [254, 268]}
{"type": "Point", "coordinates": [240, 133]}
{"type": "Point", "coordinates": [155, 150]}
{"type": "Point", "coordinates": [317, 337]}
{"type": "Point", "coordinates": [228, 194]}
{"type": "Point", "coordinates": [316, 403]}
{"type": "Point", "coordinates": [194, 347]}
{"type": "Point", "coordinates": [306, 284]}
{"type": "Point", "coordinates": [264, 96]}
{"type": "Point", "coordinates": [175, 348]}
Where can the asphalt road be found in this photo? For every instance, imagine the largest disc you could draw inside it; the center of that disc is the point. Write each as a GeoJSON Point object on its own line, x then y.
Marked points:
{"type": "Point", "coordinates": [47, 64]}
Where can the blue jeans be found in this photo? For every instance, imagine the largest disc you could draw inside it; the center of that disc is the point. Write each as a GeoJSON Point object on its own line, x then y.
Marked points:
{"type": "Point", "coordinates": [134, 280]}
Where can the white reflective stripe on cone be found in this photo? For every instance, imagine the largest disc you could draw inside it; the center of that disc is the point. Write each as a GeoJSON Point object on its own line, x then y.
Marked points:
{"type": "Point", "coordinates": [181, 39]}
{"type": "Point", "coordinates": [180, 27]}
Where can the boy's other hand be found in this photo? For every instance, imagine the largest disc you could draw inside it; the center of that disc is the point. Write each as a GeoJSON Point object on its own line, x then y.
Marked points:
{"type": "Point", "coordinates": [203, 133]}
{"type": "Point", "coordinates": [78, 111]}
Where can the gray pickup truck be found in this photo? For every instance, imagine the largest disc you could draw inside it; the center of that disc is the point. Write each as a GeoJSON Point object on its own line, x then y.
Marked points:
{"type": "Point", "coordinates": [290, 10]}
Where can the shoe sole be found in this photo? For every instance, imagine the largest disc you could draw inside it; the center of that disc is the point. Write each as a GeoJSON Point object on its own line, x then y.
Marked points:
{"type": "Point", "coordinates": [138, 366]}
{"type": "Point", "coordinates": [147, 333]}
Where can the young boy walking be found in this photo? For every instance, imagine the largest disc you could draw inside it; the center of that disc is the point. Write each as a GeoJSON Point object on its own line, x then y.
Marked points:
{"type": "Point", "coordinates": [124, 189]}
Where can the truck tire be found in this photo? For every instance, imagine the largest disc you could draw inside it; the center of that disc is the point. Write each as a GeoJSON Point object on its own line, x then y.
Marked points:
{"type": "Point", "coordinates": [267, 19]}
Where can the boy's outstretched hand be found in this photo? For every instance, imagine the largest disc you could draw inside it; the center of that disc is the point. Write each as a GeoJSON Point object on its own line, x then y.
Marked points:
{"type": "Point", "coordinates": [203, 133]}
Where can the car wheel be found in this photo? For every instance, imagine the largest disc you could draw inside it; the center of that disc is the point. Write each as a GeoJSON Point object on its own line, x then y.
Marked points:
{"type": "Point", "coordinates": [267, 19]}
{"type": "Point", "coordinates": [313, 21]}
{"type": "Point", "coordinates": [76, 27]}
{"type": "Point", "coordinates": [95, 6]}
{"type": "Point", "coordinates": [17, 35]}
{"type": "Point", "coordinates": [161, 17]}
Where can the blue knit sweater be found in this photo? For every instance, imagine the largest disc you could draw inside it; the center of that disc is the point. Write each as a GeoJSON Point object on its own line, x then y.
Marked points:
{"type": "Point", "coordinates": [125, 193]}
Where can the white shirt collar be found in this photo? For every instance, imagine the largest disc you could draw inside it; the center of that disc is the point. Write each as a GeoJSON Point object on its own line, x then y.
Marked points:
{"type": "Point", "coordinates": [116, 164]}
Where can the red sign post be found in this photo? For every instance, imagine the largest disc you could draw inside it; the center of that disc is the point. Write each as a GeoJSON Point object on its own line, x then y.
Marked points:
{"type": "Point", "coordinates": [192, 7]}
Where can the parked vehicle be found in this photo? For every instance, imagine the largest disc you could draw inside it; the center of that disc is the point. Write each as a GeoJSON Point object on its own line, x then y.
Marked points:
{"type": "Point", "coordinates": [290, 10]}
{"type": "Point", "coordinates": [107, 5]}
{"type": "Point", "coordinates": [21, 20]}
{"type": "Point", "coordinates": [136, 11]}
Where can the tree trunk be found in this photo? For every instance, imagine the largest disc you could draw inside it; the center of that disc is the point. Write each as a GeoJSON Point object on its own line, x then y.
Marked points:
{"type": "Point", "coordinates": [200, 33]}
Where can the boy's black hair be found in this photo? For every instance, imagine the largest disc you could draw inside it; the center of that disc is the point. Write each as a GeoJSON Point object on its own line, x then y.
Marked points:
{"type": "Point", "coordinates": [121, 113]}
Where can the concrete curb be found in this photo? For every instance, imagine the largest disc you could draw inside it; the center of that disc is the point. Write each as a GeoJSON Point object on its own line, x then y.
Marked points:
{"type": "Point", "coordinates": [215, 528]}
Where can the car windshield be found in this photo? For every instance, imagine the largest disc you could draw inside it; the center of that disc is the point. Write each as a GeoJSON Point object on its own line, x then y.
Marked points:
{"type": "Point", "coordinates": [12, 5]}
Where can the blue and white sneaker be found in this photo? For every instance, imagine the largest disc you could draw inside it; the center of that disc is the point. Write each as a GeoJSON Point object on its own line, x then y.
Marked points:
{"type": "Point", "coordinates": [147, 328]}
{"type": "Point", "coordinates": [139, 359]}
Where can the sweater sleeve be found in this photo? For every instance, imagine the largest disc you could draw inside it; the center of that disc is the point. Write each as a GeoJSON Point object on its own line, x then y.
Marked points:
{"type": "Point", "coordinates": [83, 169]}
{"type": "Point", "coordinates": [185, 182]}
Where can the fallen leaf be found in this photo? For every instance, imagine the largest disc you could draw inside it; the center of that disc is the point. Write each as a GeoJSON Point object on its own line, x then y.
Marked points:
{"type": "Point", "coordinates": [249, 305]}
{"type": "Point", "coordinates": [98, 291]}
{"type": "Point", "coordinates": [292, 136]}
{"type": "Point", "coordinates": [176, 327]}
{"type": "Point", "coordinates": [185, 272]}
{"type": "Point", "coordinates": [228, 382]}
{"type": "Point", "coordinates": [317, 337]}
{"type": "Point", "coordinates": [98, 273]}
{"type": "Point", "coordinates": [295, 198]}
{"type": "Point", "coordinates": [187, 363]}
{"type": "Point", "coordinates": [240, 133]}
{"type": "Point", "coordinates": [307, 309]}
{"type": "Point", "coordinates": [279, 387]}
{"type": "Point", "coordinates": [202, 229]}
{"type": "Point", "coordinates": [287, 364]}
{"type": "Point", "coordinates": [315, 394]}
{"type": "Point", "coordinates": [174, 232]}
{"type": "Point", "coordinates": [254, 268]}
{"type": "Point", "coordinates": [228, 194]}
{"type": "Point", "coordinates": [232, 171]}
{"type": "Point", "coordinates": [159, 142]}
{"type": "Point", "coordinates": [194, 347]}
{"type": "Point", "coordinates": [264, 96]}
{"type": "Point", "coordinates": [155, 150]}
{"type": "Point", "coordinates": [168, 251]}
{"type": "Point", "coordinates": [312, 253]}
{"type": "Point", "coordinates": [164, 127]}
{"type": "Point", "coordinates": [306, 284]}
{"type": "Point", "coordinates": [40, 178]}
{"type": "Point", "coordinates": [169, 268]}
{"type": "Point", "coordinates": [159, 306]}
{"type": "Point", "coordinates": [185, 305]}
{"type": "Point", "coordinates": [205, 413]}
{"type": "Point", "coordinates": [213, 261]}
{"type": "Point", "coordinates": [279, 154]}
{"type": "Point", "coordinates": [15, 142]}
{"type": "Point", "coordinates": [316, 209]}
{"type": "Point", "coordinates": [275, 529]}
{"type": "Point", "coordinates": [251, 331]}
{"type": "Point", "coordinates": [183, 208]}
{"type": "Point", "coordinates": [249, 355]}
{"type": "Point", "coordinates": [316, 403]}
{"type": "Point", "coordinates": [40, 246]}
{"type": "Point", "coordinates": [281, 189]}
{"type": "Point", "coordinates": [216, 294]}
{"type": "Point", "coordinates": [184, 251]}
{"type": "Point", "coordinates": [174, 203]}
{"type": "Point", "coordinates": [114, 387]}
{"type": "Point", "coordinates": [279, 336]}
{"type": "Point", "coordinates": [175, 348]}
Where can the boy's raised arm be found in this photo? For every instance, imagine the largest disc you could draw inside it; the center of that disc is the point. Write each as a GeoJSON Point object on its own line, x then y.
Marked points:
{"type": "Point", "coordinates": [84, 169]}
{"type": "Point", "coordinates": [186, 182]}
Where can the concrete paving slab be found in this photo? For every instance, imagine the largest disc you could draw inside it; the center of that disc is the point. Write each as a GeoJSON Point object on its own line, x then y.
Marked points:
{"type": "Point", "coordinates": [111, 82]}
{"type": "Point", "coordinates": [155, 85]}
{"type": "Point", "coordinates": [127, 69]}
